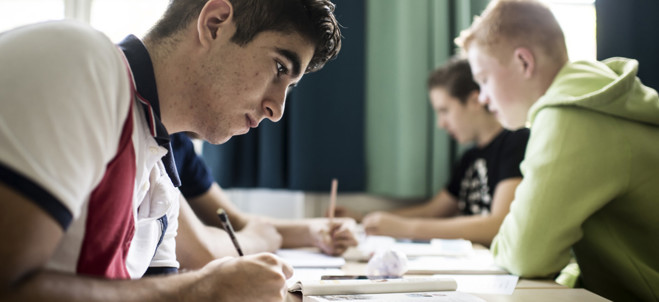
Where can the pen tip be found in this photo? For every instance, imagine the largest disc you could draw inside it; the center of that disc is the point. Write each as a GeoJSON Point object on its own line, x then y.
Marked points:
{"type": "Point", "coordinates": [220, 211]}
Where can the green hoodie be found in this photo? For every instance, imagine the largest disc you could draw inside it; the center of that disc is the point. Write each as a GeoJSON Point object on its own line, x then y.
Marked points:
{"type": "Point", "coordinates": [591, 184]}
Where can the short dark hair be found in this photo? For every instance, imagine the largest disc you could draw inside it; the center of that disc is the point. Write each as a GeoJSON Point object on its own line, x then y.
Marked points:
{"type": "Point", "coordinates": [313, 19]}
{"type": "Point", "coordinates": [455, 76]}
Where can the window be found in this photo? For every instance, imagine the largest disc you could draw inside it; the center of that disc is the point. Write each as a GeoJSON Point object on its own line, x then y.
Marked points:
{"type": "Point", "coordinates": [15, 13]}
{"type": "Point", "coordinates": [577, 19]}
{"type": "Point", "coordinates": [116, 18]}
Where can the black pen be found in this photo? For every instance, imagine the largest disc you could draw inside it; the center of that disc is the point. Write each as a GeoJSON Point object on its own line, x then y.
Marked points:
{"type": "Point", "coordinates": [227, 227]}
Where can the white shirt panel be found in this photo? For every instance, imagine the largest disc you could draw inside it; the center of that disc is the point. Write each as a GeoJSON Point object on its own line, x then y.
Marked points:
{"type": "Point", "coordinates": [157, 197]}
{"type": "Point", "coordinates": [75, 101]}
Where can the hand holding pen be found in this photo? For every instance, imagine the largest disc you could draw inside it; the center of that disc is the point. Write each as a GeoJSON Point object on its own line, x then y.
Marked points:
{"type": "Point", "coordinates": [333, 235]}
{"type": "Point", "coordinates": [226, 224]}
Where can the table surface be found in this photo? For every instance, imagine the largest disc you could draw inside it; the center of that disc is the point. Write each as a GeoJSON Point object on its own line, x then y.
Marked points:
{"type": "Point", "coordinates": [531, 290]}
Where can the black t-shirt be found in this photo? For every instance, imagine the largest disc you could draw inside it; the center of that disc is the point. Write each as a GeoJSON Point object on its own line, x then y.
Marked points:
{"type": "Point", "coordinates": [481, 169]}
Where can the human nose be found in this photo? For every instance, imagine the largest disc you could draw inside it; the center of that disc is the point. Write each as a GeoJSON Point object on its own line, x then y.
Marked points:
{"type": "Point", "coordinates": [274, 106]}
{"type": "Point", "coordinates": [483, 97]}
{"type": "Point", "coordinates": [441, 122]}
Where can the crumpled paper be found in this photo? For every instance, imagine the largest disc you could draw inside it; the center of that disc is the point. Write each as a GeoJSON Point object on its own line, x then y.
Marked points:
{"type": "Point", "coordinates": [387, 263]}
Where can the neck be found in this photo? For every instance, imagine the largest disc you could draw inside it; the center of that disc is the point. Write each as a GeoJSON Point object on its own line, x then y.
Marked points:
{"type": "Point", "coordinates": [547, 78]}
{"type": "Point", "coordinates": [490, 128]}
{"type": "Point", "coordinates": [164, 63]}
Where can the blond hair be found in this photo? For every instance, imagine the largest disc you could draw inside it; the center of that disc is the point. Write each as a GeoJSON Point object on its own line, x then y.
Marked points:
{"type": "Point", "coordinates": [508, 24]}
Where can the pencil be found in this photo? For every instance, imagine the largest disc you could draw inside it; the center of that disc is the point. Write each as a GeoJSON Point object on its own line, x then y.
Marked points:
{"type": "Point", "coordinates": [332, 205]}
{"type": "Point", "coordinates": [226, 224]}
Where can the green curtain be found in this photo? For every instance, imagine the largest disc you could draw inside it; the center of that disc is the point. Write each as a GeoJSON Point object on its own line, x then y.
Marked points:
{"type": "Point", "coordinates": [407, 157]}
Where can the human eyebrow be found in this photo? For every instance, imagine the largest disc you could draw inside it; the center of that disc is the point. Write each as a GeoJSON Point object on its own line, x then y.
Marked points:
{"type": "Point", "coordinates": [294, 58]}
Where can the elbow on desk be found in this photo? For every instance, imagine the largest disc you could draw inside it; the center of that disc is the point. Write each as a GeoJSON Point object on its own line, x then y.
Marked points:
{"type": "Point", "coordinates": [523, 262]}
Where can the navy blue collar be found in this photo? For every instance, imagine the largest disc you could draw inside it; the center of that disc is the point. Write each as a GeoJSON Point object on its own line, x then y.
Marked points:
{"type": "Point", "coordinates": [147, 94]}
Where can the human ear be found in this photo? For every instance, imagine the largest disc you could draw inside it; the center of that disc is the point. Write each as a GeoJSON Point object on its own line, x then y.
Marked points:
{"type": "Point", "coordinates": [473, 100]}
{"type": "Point", "coordinates": [525, 61]}
{"type": "Point", "coordinates": [473, 97]}
{"type": "Point", "coordinates": [213, 16]}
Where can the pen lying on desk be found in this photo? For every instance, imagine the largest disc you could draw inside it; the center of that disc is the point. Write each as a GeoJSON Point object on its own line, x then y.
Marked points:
{"type": "Point", "coordinates": [226, 224]}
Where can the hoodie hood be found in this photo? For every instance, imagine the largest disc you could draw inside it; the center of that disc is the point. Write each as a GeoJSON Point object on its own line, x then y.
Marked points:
{"type": "Point", "coordinates": [610, 87]}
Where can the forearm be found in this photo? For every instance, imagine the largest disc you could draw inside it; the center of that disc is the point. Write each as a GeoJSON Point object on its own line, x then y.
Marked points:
{"type": "Point", "coordinates": [294, 233]}
{"type": "Point", "coordinates": [198, 244]}
{"type": "Point", "coordinates": [478, 229]}
{"type": "Point", "coordinates": [422, 210]}
{"type": "Point", "coordinates": [441, 205]}
{"type": "Point", "coordinates": [206, 205]}
{"type": "Point", "coordinates": [53, 286]}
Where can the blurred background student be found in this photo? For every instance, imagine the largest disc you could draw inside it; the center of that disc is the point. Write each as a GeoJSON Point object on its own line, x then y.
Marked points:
{"type": "Point", "coordinates": [482, 185]}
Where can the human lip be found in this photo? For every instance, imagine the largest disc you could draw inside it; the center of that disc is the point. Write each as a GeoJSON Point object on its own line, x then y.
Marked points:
{"type": "Point", "coordinates": [251, 122]}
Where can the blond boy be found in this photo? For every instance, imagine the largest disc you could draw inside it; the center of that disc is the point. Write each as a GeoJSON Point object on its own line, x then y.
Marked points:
{"type": "Point", "coordinates": [591, 176]}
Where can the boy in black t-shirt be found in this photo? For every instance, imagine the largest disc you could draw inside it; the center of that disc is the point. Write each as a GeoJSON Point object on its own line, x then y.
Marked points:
{"type": "Point", "coordinates": [482, 185]}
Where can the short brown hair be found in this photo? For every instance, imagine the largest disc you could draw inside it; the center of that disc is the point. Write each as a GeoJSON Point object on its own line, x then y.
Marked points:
{"type": "Point", "coordinates": [313, 19]}
{"type": "Point", "coordinates": [516, 23]}
{"type": "Point", "coordinates": [455, 77]}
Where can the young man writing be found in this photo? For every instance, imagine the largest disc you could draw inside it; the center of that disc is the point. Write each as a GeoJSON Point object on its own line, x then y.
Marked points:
{"type": "Point", "coordinates": [590, 177]}
{"type": "Point", "coordinates": [87, 182]}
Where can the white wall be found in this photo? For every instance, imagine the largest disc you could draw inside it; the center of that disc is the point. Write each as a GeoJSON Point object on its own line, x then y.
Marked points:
{"type": "Point", "coordinates": [296, 204]}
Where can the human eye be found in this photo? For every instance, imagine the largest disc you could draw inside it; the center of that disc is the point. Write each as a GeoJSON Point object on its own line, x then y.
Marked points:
{"type": "Point", "coordinates": [281, 69]}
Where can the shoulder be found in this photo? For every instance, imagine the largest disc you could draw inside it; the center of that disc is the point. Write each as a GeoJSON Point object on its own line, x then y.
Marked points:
{"type": "Point", "coordinates": [69, 81]}
{"type": "Point", "coordinates": [63, 49]}
{"type": "Point", "coordinates": [56, 37]}
{"type": "Point", "coordinates": [73, 63]}
{"type": "Point", "coordinates": [570, 130]}
{"type": "Point", "coordinates": [182, 146]}
{"type": "Point", "coordinates": [180, 140]}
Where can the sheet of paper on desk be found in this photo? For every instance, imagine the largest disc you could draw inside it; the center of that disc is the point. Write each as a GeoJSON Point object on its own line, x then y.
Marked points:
{"type": "Point", "coordinates": [299, 258]}
{"type": "Point", "coordinates": [399, 297]}
{"type": "Point", "coordinates": [478, 262]}
{"type": "Point", "coordinates": [300, 274]}
{"type": "Point", "coordinates": [436, 247]}
{"type": "Point", "coordinates": [485, 284]}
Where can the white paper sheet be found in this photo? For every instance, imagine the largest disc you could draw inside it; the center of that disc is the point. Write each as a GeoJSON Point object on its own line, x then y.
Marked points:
{"type": "Point", "coordinates": [399, 297]}
{"type": "Point", "coordinates": [478, 262]}
{"type": "Point", "coordinates": [310, 258]}
{"type": "Point", "coordinates": [485, 284]}
{"type": "Point", "coordinates": [436, 247]}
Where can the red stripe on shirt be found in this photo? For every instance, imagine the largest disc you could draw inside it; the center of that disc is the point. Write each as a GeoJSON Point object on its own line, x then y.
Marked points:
{"type": "Point", "coordinates": [110, 225]}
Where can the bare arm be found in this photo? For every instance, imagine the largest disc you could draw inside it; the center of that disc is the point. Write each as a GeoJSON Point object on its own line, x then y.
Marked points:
{"type": "Point", "coordinates": [198, 244]}
{"type": "Point", "coordinates": [331, 239]}
{"type": "Point", "coordinates": [206, 205]}
{"type": "Point", "coordinates": [30, 237]}
{"type": "Point", "coordinates": [441, 205]}
{"type": "Point", "coordinates": [254, 235]}
{"type": "Point", "coordinates": [480, 229]}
